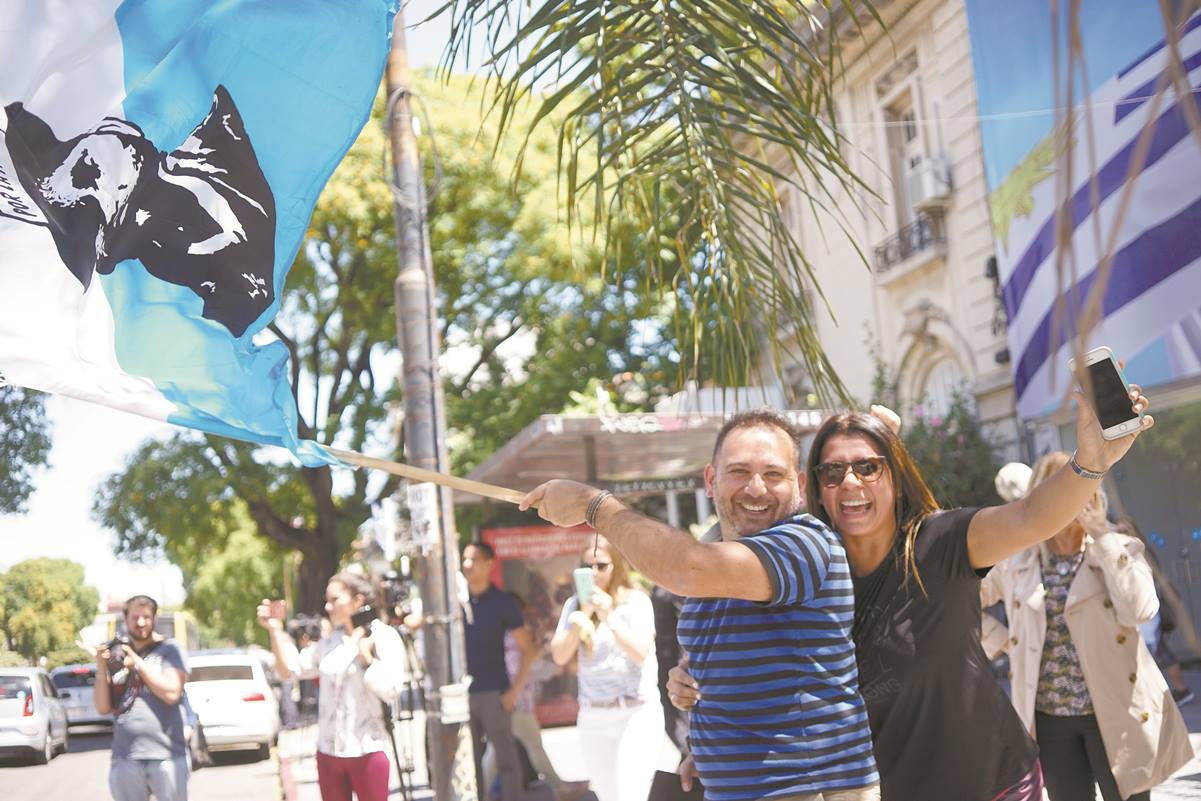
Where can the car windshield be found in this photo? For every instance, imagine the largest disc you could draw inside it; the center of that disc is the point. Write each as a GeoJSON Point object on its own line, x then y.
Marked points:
{"type": "Point", "coordinates": [69, 678]}
{"type": "Point", "coordinates": [13, 687]}
{"type": "Point", "coordinates": [221, 673]}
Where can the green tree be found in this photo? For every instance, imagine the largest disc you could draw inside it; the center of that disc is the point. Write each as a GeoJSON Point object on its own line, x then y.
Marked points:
{"type": "Point", "coordinates": [228, 585]}
{"type": "Point", "coordinates": [956, 458]}
{"type": "Point", "coordinates": [43, 605]}
{"type": "Point", "coordinates": [958, 461]}
{"type": "Point", "coordinates": [24, 445]}
{"type": "Point", "coordinates": [525, 315]}
{"type": "Point", "coordinates": [522, 332]}
{"type": "Point", "coordinates": [71, 655]}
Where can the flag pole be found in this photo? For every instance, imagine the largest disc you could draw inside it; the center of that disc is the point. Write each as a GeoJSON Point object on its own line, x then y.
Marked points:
{"type": "Point", "coordinates": [430, 503]}
{"type": "Point", "coordinates": [420, 474]}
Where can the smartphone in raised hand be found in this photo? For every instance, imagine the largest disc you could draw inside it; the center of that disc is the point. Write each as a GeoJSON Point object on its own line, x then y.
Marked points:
{"type": "Point", "coordinates": [1110, 393]}
{"type": "Point", "coordinates": [582, 576]}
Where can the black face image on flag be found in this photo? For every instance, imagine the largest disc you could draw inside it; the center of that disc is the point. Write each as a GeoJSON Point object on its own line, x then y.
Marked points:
{"type": "Point", "coordinates": [200, 216]}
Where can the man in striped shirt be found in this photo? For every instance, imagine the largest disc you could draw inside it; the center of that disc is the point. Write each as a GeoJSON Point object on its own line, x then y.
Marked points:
{"type": "Point", "coordinates": [767, 624]}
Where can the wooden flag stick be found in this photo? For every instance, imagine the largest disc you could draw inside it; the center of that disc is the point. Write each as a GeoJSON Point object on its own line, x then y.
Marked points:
{"type": "Point", "coordinates": [420, 474]}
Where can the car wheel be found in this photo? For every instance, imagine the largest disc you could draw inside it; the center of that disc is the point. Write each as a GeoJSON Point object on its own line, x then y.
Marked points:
{"type": "Point", "coordinates": [264, 750]}
{"type": "Point", "coordinates": [66, 746]}
{"type": "Point", "coordinates": [47, 752]}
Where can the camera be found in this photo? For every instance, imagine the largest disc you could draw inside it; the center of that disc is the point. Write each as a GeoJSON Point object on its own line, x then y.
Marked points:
{"type": "Point", "coordinates": [116, 653]}
{"type": "Point", "coordinates": [304, 626]}
{"type": "Point", "coordinates": [396, 589]}
{"type": "Point", "coordinates": [363, 617]}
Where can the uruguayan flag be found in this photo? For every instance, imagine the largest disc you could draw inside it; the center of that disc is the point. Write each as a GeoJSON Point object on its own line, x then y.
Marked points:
{"type": "Point", "coordinates": [1152, 301]}
{"type": "Point", "coordinates": [159, 163]}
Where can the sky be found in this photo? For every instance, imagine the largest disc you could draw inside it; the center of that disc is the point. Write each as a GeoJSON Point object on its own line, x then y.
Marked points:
{"type": "Point", "coordinates": [91, 442]}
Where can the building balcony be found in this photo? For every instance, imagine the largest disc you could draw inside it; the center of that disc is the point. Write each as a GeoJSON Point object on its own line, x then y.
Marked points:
{"type": "Point", "coordinates": [917, 244]}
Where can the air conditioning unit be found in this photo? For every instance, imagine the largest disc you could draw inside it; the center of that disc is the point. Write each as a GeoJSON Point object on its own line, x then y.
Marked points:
{"type": "Point", "coordinates": [928, 183]}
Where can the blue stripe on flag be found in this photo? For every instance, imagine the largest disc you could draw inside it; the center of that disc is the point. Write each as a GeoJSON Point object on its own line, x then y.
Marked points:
{"type": "Point", "coordinates": [1188, 27]}
{"type": "Point", "coordinates": [1171, 127]}
{"type": "Point", "coordinates": [1134, 100]}
{"type": "Point", "coordinates": [1153, 257]}
{"type": "Point", "coordinates": [303, 76]}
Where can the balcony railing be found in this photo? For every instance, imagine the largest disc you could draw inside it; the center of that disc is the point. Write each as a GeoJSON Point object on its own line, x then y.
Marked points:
{"type": "Point", "coordinates": [924, 235]}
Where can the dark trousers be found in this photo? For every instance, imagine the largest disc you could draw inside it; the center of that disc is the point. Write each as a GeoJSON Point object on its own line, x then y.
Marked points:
{"type": "Point", "coordinates": [491, 723]}
{"type": "Point", "coordinates": [1073, 758]}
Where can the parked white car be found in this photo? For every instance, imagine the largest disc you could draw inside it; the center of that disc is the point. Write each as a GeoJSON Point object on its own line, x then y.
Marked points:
{"type": "Point", "coordinates": [32, 719]}
{"type": "Point", "coordinates": [233, 699]}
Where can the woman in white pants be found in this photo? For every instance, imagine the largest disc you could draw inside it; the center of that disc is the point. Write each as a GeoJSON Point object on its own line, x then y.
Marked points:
{"type": "Point", "coordinates": [613, 633]}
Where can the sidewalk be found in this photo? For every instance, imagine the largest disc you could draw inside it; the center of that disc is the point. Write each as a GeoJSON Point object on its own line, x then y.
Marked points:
{"type": "Point", "coordinates": [1185, 785]}
{"type": "Point", "coordinates": [298, 767]}
{"type": "Point", "coordinates": [298, 764]}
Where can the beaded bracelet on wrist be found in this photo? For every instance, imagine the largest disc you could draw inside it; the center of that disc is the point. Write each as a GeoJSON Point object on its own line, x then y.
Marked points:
{"type": "Point", "coordinates": [1084, 472]}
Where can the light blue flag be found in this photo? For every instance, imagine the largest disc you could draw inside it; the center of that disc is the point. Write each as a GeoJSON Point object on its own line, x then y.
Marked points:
{"type": "Point", "coordinates": [159, 164]}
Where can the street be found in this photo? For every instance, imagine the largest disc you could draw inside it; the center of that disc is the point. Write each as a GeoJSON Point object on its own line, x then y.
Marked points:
{"type": "Point", "coordinates": [82, 774]}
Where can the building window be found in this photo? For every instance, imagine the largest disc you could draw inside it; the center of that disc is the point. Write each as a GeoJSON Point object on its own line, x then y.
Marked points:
{"type": "Point", "coordinates": [943, 381]}
{"type": "Point", "coordinates": [908, 126]}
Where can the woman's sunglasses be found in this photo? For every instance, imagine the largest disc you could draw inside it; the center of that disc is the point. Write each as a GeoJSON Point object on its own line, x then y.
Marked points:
{"type": "Point", "coordinates": [831, 474]}
{"type": "Point", "coordinates": [599, 566]}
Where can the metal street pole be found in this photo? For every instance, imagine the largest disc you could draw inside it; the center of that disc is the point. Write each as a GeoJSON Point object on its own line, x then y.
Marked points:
{"type": "Point", "coordinates": [430, 507]}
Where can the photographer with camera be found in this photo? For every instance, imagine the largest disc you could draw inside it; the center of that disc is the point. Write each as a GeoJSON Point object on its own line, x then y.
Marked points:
{"type": "Point", "coordinates": [139, 680]}
{"type": "Point", "coordinates": [362, 670]}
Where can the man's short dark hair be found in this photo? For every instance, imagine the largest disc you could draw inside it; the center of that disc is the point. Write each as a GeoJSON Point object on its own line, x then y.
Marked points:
{"type": "Point", "coordinates": [764, 417]}
{"type": "Point", "coordinates": [141, 600]}
{"type": "Point", "coordinates": [484, 548]}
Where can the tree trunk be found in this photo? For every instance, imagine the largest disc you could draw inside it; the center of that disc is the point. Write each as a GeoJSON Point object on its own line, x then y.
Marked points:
{"type": "Point", "coordinates": [317, 565]}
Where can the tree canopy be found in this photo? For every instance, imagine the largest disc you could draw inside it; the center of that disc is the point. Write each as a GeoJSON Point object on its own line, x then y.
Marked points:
{"type": "Point", "coordinates": [24, 445]}
{"type": "Point", "coordinates": [43, 605]}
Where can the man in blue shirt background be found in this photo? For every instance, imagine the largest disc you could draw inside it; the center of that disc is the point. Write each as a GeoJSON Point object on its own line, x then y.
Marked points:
{"type": "Point", "coordinates": [491, 695]}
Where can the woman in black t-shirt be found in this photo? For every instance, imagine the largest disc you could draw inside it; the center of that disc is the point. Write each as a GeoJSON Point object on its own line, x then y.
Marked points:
{"type": "Point", "coordinates": [941, 726]}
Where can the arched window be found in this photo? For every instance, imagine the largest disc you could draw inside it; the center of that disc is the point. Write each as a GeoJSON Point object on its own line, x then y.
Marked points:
{"type": "Point", "coordinates": [943, 380]}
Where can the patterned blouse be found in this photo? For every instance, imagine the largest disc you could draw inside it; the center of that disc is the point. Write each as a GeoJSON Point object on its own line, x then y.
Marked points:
{"type": "Point", "coordinates": [1061, 687]}
{"type": "Point", "coordinates": [350, 719]}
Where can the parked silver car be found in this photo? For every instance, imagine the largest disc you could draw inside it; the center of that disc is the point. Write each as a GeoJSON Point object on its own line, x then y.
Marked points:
{"type": "Point", "coordinates": [32, 719]}
{"type": "Point", "coordinates": [74, 684]}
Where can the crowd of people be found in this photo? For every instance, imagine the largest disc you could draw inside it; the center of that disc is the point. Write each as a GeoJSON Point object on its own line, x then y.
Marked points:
{"type": "Point", "coordinates": [823, 642]}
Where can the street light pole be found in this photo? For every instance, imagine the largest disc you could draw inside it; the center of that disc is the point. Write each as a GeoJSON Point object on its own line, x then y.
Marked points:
{"type": "Point", "coordinates": [431, 508]}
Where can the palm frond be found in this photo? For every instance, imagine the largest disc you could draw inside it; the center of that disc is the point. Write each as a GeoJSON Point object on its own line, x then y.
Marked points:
{"type": "Point", "coordinates": [688, 117]}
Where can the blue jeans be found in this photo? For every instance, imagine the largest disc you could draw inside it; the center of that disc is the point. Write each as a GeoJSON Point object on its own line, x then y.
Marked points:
{"type": "Point", "coordinates": [139, 779]}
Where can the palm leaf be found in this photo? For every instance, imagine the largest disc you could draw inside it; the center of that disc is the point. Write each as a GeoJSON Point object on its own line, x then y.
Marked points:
{"type": "Point", "coordinates": [687, 117]}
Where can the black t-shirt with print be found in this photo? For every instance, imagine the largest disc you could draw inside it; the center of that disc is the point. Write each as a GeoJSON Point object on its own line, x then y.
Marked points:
{"type": "Point", "coordinates": [942, 727]}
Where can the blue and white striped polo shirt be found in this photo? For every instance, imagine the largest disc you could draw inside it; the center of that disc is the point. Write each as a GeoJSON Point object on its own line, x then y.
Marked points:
{"type": "Point", "coordinates": [780, 712]}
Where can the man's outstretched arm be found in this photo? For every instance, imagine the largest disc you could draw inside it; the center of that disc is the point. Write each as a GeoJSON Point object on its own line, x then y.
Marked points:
{"type": "Point", "coordinates": [665, 555]}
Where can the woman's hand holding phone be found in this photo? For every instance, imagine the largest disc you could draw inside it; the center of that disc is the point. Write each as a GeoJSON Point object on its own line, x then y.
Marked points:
{"type": "Point", "coordinates": [1093, 451]}
{"type": "Point", "coordinates": [602, 604]}
{"type": "Point", "coordinates": [1108, 421]}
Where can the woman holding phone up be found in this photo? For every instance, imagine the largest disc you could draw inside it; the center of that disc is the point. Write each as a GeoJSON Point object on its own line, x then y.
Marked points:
{"type": "Point", "coordinates": [361, 666]}
{"type": "Point", "coordinates": [612, 630]}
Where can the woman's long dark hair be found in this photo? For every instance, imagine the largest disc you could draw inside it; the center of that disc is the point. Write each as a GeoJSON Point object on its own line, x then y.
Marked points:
{"type": "Point", "coordinates": [914, 501]}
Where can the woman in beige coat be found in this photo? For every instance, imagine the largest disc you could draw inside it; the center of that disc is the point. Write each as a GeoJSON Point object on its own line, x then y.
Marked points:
{"type": "Point", "coordinates": [1084, 682]}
